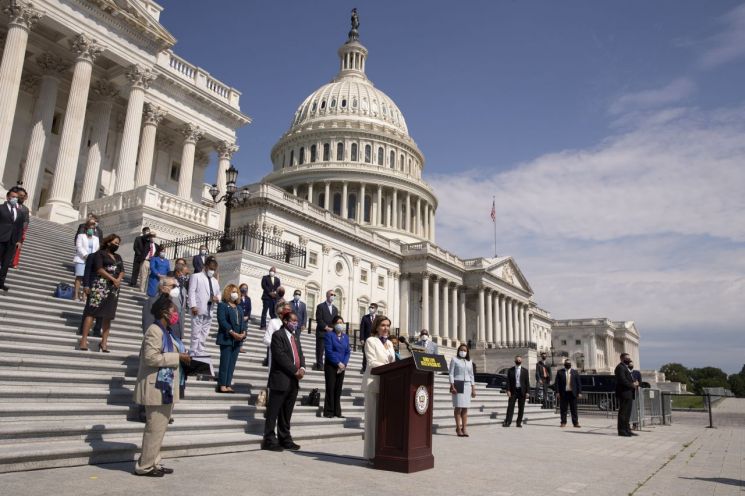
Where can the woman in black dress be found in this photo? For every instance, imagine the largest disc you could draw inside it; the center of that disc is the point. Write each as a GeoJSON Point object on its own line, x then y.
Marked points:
{"type": "Point", "coordinates": [108, 272]}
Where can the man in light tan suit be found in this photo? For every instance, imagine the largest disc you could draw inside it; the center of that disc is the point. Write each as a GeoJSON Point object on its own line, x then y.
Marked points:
{"type": "Point", "coordinates": [158, 404]}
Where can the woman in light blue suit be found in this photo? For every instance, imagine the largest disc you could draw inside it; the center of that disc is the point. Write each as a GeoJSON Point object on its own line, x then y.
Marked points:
{"type": "Point", "coordinates": [231, 332]}
{"type": "Point", "coordinates": [462, 387]}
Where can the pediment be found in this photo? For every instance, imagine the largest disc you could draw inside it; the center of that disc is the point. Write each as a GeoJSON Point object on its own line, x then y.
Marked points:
{"type": "Point", "coordinates": [506, 269]}
{"type": "Point", "coordinates": [136, 15]}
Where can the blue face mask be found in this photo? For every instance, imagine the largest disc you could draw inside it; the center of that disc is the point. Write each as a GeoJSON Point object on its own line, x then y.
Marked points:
{"type": "Point", "coordinates": [13, 201]}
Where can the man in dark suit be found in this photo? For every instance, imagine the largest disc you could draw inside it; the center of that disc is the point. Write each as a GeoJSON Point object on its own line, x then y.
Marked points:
{"type": "Point", "coordinates": [269, 285]}
{"type": "Point", "coordinates": [140, 246]}
{"type": "Point", "coordinates": [199, 259]}
{"type": "Point", "coordinates": [625, 388]}
{"type": "Point", "coordinates": [568, 390]}
{"type": "Point", "coordinates": [518, 387]}
{"type": "Point", "coordinates": [11, 229]}
{"type": "Point", "coordinates": [325, 313]}
{"type": "Point", "coordinates": [298, 306]}
{"type": "Point", "coordinates": [365, 328]}
{"type": "Point", "coordinates": [543, 378]}
{"type": "Point", "coordinates": [288, 368]}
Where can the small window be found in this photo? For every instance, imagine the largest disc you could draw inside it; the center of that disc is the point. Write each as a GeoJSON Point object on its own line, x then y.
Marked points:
{"type": "Point", "coordinates": [354, 103]}
{"type": "Point", "coordinates": [175, 171]}
{"type": "Point", "coordinates": [578, 341]}
{"type": "Point", "coordinates": [333, 102]}
{"type": "Point", "coordinates": [313, 153]}
{"type": "Point", "coordinates": [380, 155]}
{"type": "Point", "coordinates": [392, 160]}
{"type": "Point", "coordinates": [336, 207]}
{"type": "Point", "coordinates": [363, 275]}
{"type": "Point", "coordinates": [292, 158]}
{"type": "Point", "coordinates": [368, 154]}
{"type": "Point", "coordinates": [352, 206]}
{"type": "Point", "coordinates": [313, 259]}
{"type": "Point", "coordinates": [381, 281]}
{"type": "Point", "coordinates": [315, 106]}
{"type": "Point", "coordinates": [339, 268]}
{"type": "Point", "coordinates": [563, 342]}
{"type": "Point", "coordinates": [367, 209]}
{"type": "Point", "coordinates": [56, 123]}
{"type": "Point", "coordinates": [344, 103]}
{"type": "Point", "coordinates": [326, 152]}
{"type": "Point", "coordinates": [401, 164]}
{"type": "Point", "coordinates": [321, 199]}
{"type": "Point", "coordinates": [301, 156]}
{"type": "Point", "coordinates": [354, 152]}
{"type": "Point", "coordinates": [323, 104]}
{"type": "Point", "coordinates": [340, 151]}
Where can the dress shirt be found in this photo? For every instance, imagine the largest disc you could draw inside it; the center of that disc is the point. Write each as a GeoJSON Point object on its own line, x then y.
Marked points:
{"type": "Point", "coordinates": [517, 376]}
{"type": "Point", "coordinates": [568, 373]}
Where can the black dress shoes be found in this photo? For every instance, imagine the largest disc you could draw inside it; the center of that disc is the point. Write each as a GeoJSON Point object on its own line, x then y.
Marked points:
{"type": "Point", "coordinates": [271, 447]}
{"type": "Point", "coordinates": [633, 434]}
{"type": "Point", "coordinates": [165, 470]}
{"type": "Point", "coordinates": [624, 434]}
{"type": "Point", "coordinates": [291, 446]}
{"type": "Point", "coordinates": [328, 415]}
{"type": "Point", "coordinates": [156, 472]}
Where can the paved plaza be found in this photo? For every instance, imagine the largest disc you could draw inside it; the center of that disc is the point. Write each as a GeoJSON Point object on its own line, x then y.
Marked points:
{"type": "Point", "coordinates": [683, 459]}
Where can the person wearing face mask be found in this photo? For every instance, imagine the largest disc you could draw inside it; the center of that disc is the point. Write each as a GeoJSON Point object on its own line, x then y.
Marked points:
{"type": "Point", "coordinates": [171, 287]}
{"type": "Point", "coordinates": [108, 272]}
{"type": "Point", "coordinates": [286, 372]}
{"type": "Point", "coordinates": [245, 303]}
{"type": "Point", "coordinates": [625, 391]}
{"type": "Point", "coordinates": [159, 267]}
{"type": "Point", "coordinates": [273, 326]}
{"type": "Point", "coordinates": [325, 314]}
{"type": "Point", "coordinates": [204, 294]}
{"type": "Point", "coordinates": [365, 326]}
{"type": "Point", "coordinates": [379, 351]}
{"type": "Point", "coordinates": [518, 387]}
{"type": "Point", "coordinates": [543, 378]}
{"type": "Point", "coordinates": [462, 387]}
{"type": "Point", "coordinates": [568, 390]}
{"type": "Point", "coordinates": [231, 332]}
{"type": "Point", "coordinates": [426, 342]}
{"type": "Point", "coordinates": [337, 357]}
{"type": "Point", "coordinates": [11, 230]}
{"type": "Point", "coordinates": [157, 388]}
{"type": "Point", "coordinates": [269, 285]}
{"type": "Point", "coordinates": [85, 246]}
{"type": "Point", "coordinates": [199, 259]}
{"type": "Point", "coordinates": [298, 306]}
{"type": "Point", "coordinates": [141, 247]}
{"type": "Point", "coordinates": [83, 227]}
{"type": "Point", "coordinates": [23, 209]}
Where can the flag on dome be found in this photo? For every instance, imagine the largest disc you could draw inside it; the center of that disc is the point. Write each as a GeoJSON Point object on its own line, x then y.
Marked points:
{"type": "Point", "coordinates": [494, 210]}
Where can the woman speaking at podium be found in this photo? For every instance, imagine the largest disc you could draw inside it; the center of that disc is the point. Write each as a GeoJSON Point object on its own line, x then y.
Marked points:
{"type": "Point", "coordinates": [378, 351]}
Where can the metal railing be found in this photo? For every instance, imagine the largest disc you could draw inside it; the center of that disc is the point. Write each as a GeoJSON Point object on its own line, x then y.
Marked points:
{"type": "Point", "coordinates": [248, 238]}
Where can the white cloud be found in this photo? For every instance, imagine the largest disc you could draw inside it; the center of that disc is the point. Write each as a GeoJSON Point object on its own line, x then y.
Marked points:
{"type": "Point", "coordinates": [729, 44]}
{"type": "Point", "coordinates": [676, 91]}
{"type": "Point", "coordinates": [648, 226]}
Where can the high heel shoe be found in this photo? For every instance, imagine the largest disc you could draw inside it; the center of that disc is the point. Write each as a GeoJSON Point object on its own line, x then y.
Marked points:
{"type": "Point", "coordinates": [81, 348]}
{"type": "Point", "coordinates": [104, 349]}
{"type": "Point", "coordinates": [458, 432]}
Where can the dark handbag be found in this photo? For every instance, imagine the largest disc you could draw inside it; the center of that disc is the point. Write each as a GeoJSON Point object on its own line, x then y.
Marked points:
{"type": "Point", "coordinates": [64, 291]}
{"type": "Point", "coordinates": [313, 398]}
{"type": "Point", "coordinates": [460, 386]}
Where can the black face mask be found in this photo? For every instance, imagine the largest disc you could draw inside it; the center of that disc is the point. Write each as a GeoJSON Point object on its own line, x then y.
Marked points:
{"type": "Point", "coordinates": [518, 363]}
{"type": "Point", "coordinates": [113, 248]}
{"type": "Point", "coordinates": [567, 365]}
{"type": "Point", "coordinates": [627, 362]}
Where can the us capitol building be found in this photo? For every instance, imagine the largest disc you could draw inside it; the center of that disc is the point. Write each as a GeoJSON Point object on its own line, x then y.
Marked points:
{"type": "Point", "coordinates": [99, 114]}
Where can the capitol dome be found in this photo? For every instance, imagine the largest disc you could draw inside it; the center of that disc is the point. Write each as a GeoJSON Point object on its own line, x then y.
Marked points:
{"type": "Point", "coordinates": [348, 150]}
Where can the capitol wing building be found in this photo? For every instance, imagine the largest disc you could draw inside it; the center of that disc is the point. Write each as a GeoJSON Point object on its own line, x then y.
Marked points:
{"type": "Point", "coordinates": [100, 115]}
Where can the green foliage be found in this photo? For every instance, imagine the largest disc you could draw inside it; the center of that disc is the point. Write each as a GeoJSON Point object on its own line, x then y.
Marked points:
{"type": "Point", "coordinates": [737, 383]}
{"type": "Point", "coordinates": [696, 402]}
{"type": "Point", "coordinates": [676, 372]}
{"type": "Point", "coordinates": [707, 377]}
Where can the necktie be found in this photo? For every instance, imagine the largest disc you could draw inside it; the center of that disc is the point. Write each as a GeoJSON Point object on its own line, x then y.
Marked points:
{"type": "Point", "coordinates": [13, 212]}
{"type": "Point", "coordinates": [569, 380]}
{"type": "Point", "coordinates": [295, 355]}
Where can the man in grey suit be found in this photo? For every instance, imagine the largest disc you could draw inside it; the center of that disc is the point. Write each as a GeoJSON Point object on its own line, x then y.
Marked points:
{"type": "Point", "coordinates": [325, 313]}
{"type": "Point", "coordinates": [425, 341]}
{"type": "Point", "coordinates": [298, 306]}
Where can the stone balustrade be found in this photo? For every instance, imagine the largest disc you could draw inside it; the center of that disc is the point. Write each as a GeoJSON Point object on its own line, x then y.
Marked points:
{"type": "Point", "coordinates": [198, 77]}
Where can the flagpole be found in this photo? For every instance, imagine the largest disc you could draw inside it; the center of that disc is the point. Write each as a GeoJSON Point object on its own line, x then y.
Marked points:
{"type": "Point", "coordinates": [494, 221]}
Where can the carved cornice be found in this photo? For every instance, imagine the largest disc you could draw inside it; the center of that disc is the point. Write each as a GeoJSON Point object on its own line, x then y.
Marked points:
{"type": "Point", "coordinates": [303, 240]}
{"type": "Point", "coordinates": [85, 48]}
{"type": "Point", "coordinates": [152, 114]}
{"type": "Point", "coordinates": [51, 65]}
{"type": "Point", "coordinates": [396, 274]}
{"type": "Point", "coordinates": [326, 249]}
{"type": "Point", "coordinates": [23, 15]}
{"type": "Point", "coordinates": [226, 149]}
{"type": "Point", "coordinates": [140, 77]}
{"type": "Point", "coordinates": [192, 133]}
{"type": "Point", "coordinates": [104, 90]}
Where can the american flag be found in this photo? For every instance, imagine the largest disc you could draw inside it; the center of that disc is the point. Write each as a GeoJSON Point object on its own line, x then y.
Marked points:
{"type": "Point", "coordinates": [494, 210]}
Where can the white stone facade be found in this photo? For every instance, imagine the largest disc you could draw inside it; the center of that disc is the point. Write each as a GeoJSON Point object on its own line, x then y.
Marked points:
{"type": "Point", "coordinates": [596, 344]}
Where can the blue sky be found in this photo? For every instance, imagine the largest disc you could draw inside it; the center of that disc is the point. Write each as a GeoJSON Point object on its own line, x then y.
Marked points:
{"type": "Point", "coordinates": [612, 134]}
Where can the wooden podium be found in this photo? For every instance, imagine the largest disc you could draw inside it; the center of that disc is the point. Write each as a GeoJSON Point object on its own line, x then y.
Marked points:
{"type": "Point", "coordinates": [403, 441]}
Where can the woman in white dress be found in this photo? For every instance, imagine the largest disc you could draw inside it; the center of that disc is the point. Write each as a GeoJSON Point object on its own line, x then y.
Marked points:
{"type": "Point", "coordinates": [378, 351]}
{"type": "Point", "coordinates": [462, 387]}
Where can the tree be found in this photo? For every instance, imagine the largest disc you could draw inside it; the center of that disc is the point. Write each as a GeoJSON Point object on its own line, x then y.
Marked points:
{"type": "Point", "coordinates": [708, 377]}
{"type": "Point", "coordinates": [676, 372]}
{"type": "Point", "coordinates": [737, 383]}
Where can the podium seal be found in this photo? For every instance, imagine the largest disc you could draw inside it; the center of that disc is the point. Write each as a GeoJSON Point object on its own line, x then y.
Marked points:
{"type": "Point", "coordinates": [421, 400]}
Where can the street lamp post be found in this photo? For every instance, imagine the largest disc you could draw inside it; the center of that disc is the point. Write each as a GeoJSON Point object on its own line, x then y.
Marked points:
{"type": "Point", "coordinates": [230, 200]}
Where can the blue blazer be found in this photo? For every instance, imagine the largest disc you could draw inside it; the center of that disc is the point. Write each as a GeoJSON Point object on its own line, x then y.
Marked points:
{"type": "Point", "coordinates": [227, 321]}
{"type": "Point", "coordinates": [245, 303]}
{"type": "Point", "coordinates": [337, 350]}
{"type": "Point", "coordinates": [301, 311]}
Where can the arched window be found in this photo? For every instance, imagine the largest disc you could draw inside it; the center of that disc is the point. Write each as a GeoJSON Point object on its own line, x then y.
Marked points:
{"type": "Point", "coordinates": [344, 103]}
{"type": "Point", "coordinates": [354, 152]}
{"type": "Point", "coordinates": [336, 207]}
{"type": "Point", "coordinates": [301, 156]}
{"type": "Point", "coordinates": [323, 104]}
{"type": "Point", "coordinates": [409, 169]}
{"type": "Point", "coordinates": [321, 199]}
{"type": "Point", "coordinates": [326, 152]}
{"type": "Point", "coordinates": [401, 165]}
{"type": "Point", "coordinates": [367, 209]}
{"type": "Point", "coordinates": [333, 102]}
{"type": "Point", "coordinates": [380, 155]}
{"type": "Point", "coordinates": [368, 153]}
{"type": "Point", "coordinates": [354, 103]}
{"type": "Point", "coordinates": [392, 160]}
{"type": "Point", "coordinates": [312, 153]}
{"type": "Point", "coordinates": [292, 158]}
{"type": "Point", "coordinates": [352, 206]}
{"type": "Point", "coordinates": [315, 105]}
{"type": "Point", "coordinates": [340, 151]}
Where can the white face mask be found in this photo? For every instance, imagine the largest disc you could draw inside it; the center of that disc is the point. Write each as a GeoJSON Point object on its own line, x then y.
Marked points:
{"type": "Point", "coordinates": [211, 273]}
{"type": "Point", "coordinates": [425, 338]}
{"type": "Point", "coordinates": [175, 292]}
{"type": "Point", "coordinates": [462, 354]}
{"type": "Point", "coordinates": [339, 328]}
{"type": "Point", "coordinates": [234, 296]}
{"type": "Point", "coordinates": [331, 299]}
{"type": "Point", "coordinates": [271, 274]}
{"type": "Point", "coordinates": [372, 311]}
{"type": "Point", "coordinates": [296, 297]}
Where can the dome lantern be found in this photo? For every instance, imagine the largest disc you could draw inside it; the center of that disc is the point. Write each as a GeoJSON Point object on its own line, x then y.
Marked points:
{"type": "Point", "coordinates": [353, 54]}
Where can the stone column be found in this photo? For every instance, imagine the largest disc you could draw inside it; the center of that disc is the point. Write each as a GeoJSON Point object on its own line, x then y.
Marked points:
{"type": "Point", "coordinates": [361, 205]}
{"type": "Point", "coordinates": [104, 92]}
{"type": "Point", "coordinates": [139, 79]}
{"type": "Point", "coordinates": [418, 217]}
{"type": "Point", "coordinates": [344, 194]}
{"type": "Point", "coordinates": [393, 222]}
{"type": "Point", "coordinates": [310, 192]}
{"type": "Point", "coordinates": [379, 208]}
{"type": "Point", "coordinates": [152, 116]}
{"type": "Point", "coordinates": [445, 330]}
{"type": "Point", "coordinates": [22, 18]}
{"type": "Point", "coordinates": [502, 322]}
{"type": "Point", "coordinates": [425, 300]}
{"type": "Point", "coordinates": [510, 329]}
{"type": "Point", "coordinates": [524, 322]}
{"type": "Point", "coordinates": [327, 195]}
{"type": "Point", "coordinates": [425, 221]}
{"type": "Point", "coordinates": [405, 297]}
{"type": "Point", "coordinates": [489, 317]}
{"type": "Point", "coordinates": [481, 331]}
{"type": "Point", "coordinates": [59, 207]}
{"type": "Point", "coordinates": [294, 189]}
{"type": "Point", "coordinates": [435, 331]}
{"type": "Point", "coordinates": [432, 224]}
{"type": "Point", "coordinates": [192, 134]}
{"type": "Point", "coordinates": [495, 317]}
{"type": "Point", "coordinates": [42, 124]}
{"type": "Point", "coordinates": [225, 151]}
{"type": "Point", "coordinates": [462, 330]}
{"type": "Point", "coordinates": [407, 220]}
